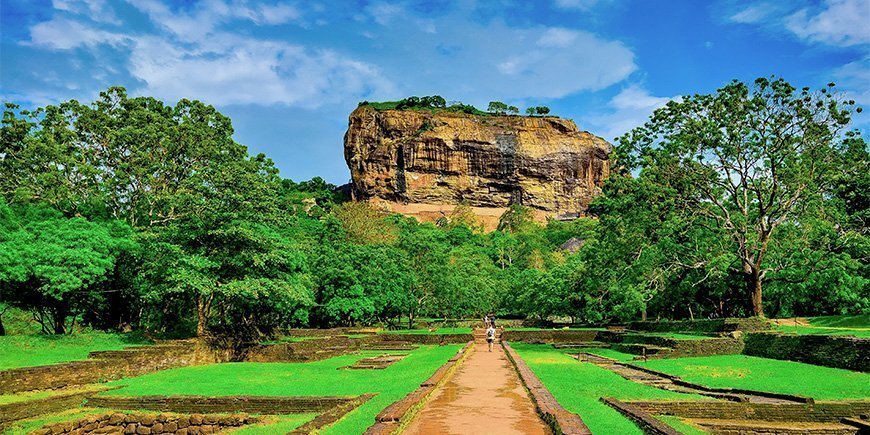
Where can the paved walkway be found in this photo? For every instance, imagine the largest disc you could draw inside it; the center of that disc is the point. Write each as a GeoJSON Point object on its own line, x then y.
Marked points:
{"type": "Point", "coordinates": [484, 396]}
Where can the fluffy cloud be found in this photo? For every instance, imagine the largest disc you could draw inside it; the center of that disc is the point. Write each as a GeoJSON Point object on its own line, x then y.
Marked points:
{"type": "Point", "coordinates": [834, 22]}
{"type": "Point", "coordinates": [628, 109]}
{"type": "Point", "coordinates": [841, 22]}
{"type": "Point", "coordinates": [191, 56]}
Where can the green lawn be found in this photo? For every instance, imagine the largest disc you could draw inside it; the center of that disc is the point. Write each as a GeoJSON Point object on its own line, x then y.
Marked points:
{"type": "Point", "coordinates": [319, 378]}
{"type": "Point", "coordinates": [821, 330]}
{"type": "Point", "coordinates": [678, 336]}
{"type": "Point", "coordinates": [283, 424]}
{"type": "Point", "coordinates": [438, 331]}
{"type": "Point", "coordinates": [680, 425]}
{"type": "Point", "coordinates": [857, 321]}
{"type": "Point", "coordinates": [37, 350]}
{"type": "Point", "coordinates": [578, 387]}
{"type": "Point", "coordinates": [753, 373]}
{"type": "Point", "coordinates": [607, 353]}
{"type": "Point", "coordinates": [526, 328]}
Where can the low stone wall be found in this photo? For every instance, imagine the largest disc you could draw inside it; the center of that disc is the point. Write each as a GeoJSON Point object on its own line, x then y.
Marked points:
{"type": "Point", "coordinates": [11, 412]}
{"type": "Point", "coordinates": [703, 325]}
{"type": "Point", "coordinates": [551, 336]}
{"type": "Point", "coordinates": [305, 350]}
{"type": "Point", "coordinates": [202, 404]}
{"type": "Point", "coordinates": [647, 423]}
{"type": "Point", "coordinates": [826, 350]}
{"type": "Point", "coordinates": [820, 412]}
{"type": "Point", "coordinates": [105, 366]}
{"type": "Point", "coordinates": [560, 420]}
{"type": "Point", "coordinates": [428, 338]}
{"type": "Point", "coordinates": [148, 424]}
{"type": "Point", "coordinates": [394, 417]}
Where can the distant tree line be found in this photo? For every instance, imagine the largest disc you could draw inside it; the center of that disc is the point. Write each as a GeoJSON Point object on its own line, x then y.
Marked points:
{"type": "Point", "coordinates": [128, 212]}
{"type": "Point", "coordinates": [436, 102]}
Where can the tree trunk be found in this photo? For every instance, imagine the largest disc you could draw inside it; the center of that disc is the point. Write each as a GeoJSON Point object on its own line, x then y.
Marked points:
{"type": "Point", "coordinates": [59, 321]}
{"type": "Point", "coordinates": [753, 290]}
{"type": "Point", "coordinates": [202, 309]}
{"type": "Point", "coordinates": [2, 329]}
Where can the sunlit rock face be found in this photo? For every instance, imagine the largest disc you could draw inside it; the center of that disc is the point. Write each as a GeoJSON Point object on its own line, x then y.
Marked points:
{"type": "Point", "coordinates": [423, 164]}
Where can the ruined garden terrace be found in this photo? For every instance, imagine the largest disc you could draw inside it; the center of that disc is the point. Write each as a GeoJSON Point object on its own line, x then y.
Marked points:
{"type": "Point", "coordinates": [665, 377]}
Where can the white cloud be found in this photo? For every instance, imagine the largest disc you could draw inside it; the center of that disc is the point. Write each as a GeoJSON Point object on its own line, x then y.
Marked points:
{"type": "Point", "coordinates": [192, 56]}
{"type": "Point", "coordinates": [65, 34]}
{"type": "Point", "coordinates": [628, 109]}
{"type": "Point", "coordinates": [576, 4]}
{"type": "Point", "coordinates": [841, 22]}
{"type": "Point", "coordinates": [383, 13]}
{"type": "Point", "coordinates": [753, 14]}
{"type": "Point", "coordinates": [558, 38]}
{"type": "Point", "coordinates": [97, 10]}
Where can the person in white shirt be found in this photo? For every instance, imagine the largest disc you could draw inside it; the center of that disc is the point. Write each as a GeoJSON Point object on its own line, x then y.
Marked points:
{"type": "Point", "coordinates": [490, 337]}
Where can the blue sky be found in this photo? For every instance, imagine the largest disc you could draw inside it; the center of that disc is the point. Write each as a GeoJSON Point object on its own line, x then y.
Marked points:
{"type": "Point", "coordinates": [289, 73]}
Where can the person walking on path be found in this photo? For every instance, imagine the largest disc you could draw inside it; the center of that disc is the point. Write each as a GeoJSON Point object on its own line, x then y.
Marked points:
{"type": "Point", "coordinates": [490, 336]}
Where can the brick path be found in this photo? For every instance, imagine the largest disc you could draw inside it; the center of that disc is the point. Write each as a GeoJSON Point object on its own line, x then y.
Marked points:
{"type": "Point", "coordinates": [484, 396]}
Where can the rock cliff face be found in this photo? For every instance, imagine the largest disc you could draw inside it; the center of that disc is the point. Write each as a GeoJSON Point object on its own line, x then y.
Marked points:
{"type": "Point", "coordinates": [423, 164]}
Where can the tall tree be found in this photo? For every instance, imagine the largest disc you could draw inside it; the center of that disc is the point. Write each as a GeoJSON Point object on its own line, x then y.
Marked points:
{"type": "Point", "coordinates": [744, 161]}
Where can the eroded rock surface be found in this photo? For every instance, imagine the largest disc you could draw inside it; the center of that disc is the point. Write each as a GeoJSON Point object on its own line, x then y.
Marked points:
{"type": "Point", "coordinates": [423, 164]}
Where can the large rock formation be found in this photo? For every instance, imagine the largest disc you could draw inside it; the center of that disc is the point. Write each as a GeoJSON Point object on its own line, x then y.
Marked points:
{"type": "Point", "coordinates": [423, 164]}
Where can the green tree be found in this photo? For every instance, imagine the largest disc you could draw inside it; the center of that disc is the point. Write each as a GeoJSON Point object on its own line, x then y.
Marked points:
{"type": "Point", "coordinates": [54, 266]}
{"type": "Point", "coordinates": [743, 162]}
{"type": "Point", "coordinates": [497, 108]}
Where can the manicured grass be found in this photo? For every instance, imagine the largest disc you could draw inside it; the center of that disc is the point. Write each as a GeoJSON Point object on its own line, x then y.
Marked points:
{"type": "Point", "coordinates": [319, 378]}
{"type": "Point", "coordinates": [609, 353]}
{"type": "Point", "coordinates": [37, 350]}
{"type": "Point", "coordinates": [36, 395]}
{"type": "Point", "coordinates": [678, 336]}
{"type": "Point", "coordinates": [282, 424]}
{"type": "Point", "coordinates": [753, 373]}
{"type": "Point", "coordinates": [438, 331]}
{"type": "Point", "coordinates": [579, 386]}
{"type": "Point", "coordinates": [525, 328]}
{"type": "Point", "coordinates": [857, 321]}
{"type": "Point", "coordinates": [680, 425]}
{"type": "Point", "coordinates": [292, 339]}
{"type": "Point", "coordinates": [816, 330]}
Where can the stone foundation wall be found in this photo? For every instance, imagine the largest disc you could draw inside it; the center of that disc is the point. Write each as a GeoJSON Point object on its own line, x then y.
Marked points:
{"type": "Point", "coordinates": [826, 350]}
{"type": "Point", "coordinates": [202, 404]}
{"type": "Point", "coordinates": [820, 412]}
{"type": "Point", "coordinates": [20, 410]}
{"type": "Point", "coordinates": [703, 325]}
{"type": "Point", "coordinates": [551, 336]}
{"type": "Point", "coordinates": [105, 366]}
{"type": "Point", "coordinates": [148, 424]}
{"type": "Point", "coordinates": [306, 350]}
{"type": "Point", "coordinates": [428, 338]}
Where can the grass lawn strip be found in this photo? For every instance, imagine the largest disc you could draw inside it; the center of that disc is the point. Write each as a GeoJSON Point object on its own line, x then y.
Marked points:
{"type": "Point", "coordinates": [38, 350]}
{"type": "Point", "coordinates": [762, 374]}
{"type": "Point", "coordinates": [679, 424]}
{"type": "Point", "coordinates": [578, 386]}
{"type": "Point", "coordinates": [821, 330]}
{"type": "Point", "coordinates": [438, 331]}
{"type": "Point", "coordinates": [280, 424]}
{"type": "Point", "coordinates": [6, 399]}
{"type": "Point", "coordinates": [320, 378]}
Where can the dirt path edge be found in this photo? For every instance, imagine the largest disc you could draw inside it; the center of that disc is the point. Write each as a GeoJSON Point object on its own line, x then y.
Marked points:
{"type": "Point", "coordinates": [560, 420]}
{"type": "Point", "coordinates": [394, 418]}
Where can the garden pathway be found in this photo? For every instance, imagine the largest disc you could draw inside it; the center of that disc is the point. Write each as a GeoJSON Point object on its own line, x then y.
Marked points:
{"type": "Point", "coordinates": [485, 395]}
